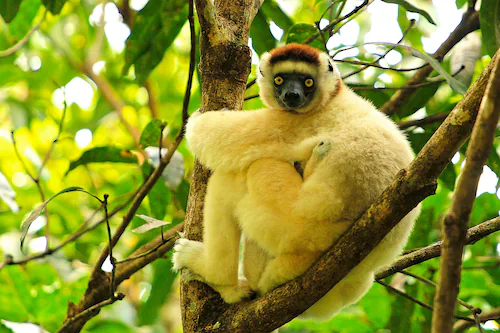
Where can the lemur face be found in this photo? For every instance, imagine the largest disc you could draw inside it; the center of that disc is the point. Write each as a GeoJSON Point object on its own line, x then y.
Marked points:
{"type": "Point", "coordinates": [294, 90]}
{"type": "Point", "coordinates": [297, 78]}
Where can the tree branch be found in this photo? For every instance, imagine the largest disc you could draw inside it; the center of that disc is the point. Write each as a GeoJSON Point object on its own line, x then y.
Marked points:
{"type": "Point", "coordinates": [424, 121]}
{"type": "Point", "coordinates": [456, 221]}
{"type": "Point", "coordinates": [224, 69]}
{"type": "Point", "coordinates": [474, 234]}
{"type": "Point", "coordinates": [414, 300]}
{"type": "Point", "coordinates": [16, 47]}
{"type": "Point", "coordinates": [110, 94]}
{"type": "Point", "coordinates": [462, 325]}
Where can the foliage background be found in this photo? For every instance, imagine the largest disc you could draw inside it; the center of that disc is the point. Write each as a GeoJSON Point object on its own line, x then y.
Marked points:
{"type": "Point", "coordinates": [79, 56]}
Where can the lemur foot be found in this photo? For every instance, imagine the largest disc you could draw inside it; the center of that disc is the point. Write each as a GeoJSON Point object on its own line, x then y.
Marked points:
{"type": "Point", "coordinates": [234, 294]}
{"type": "Point", "coordinates": [187, 254]}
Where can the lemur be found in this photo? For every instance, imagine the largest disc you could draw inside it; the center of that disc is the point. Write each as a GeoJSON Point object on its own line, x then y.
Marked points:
{"type": "Point", "coordinates": [350, 153]}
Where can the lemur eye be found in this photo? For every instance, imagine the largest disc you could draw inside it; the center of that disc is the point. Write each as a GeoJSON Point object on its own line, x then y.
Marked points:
{"type": "Point", "coordinates": [278, 80]}
{"type": "Point", "coordinates": [309, 83]}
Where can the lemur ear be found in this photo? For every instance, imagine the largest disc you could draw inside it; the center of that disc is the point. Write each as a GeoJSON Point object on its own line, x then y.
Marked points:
{"type": "Point", "coordinates": [330, 67]}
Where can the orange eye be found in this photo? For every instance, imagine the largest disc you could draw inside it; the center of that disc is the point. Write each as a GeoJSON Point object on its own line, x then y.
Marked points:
{"type": "Point", "coordinates": [278, 80]}
{"type": "Point", "coordinates": [309, 83]}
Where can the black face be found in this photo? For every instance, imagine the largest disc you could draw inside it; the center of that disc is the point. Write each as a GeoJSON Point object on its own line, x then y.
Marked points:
{"type": "Point", "coordinates": [294, 90]}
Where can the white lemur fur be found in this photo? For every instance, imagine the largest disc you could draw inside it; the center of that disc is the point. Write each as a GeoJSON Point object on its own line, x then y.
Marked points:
{"type": "Point", "coordinates": [351, 153]}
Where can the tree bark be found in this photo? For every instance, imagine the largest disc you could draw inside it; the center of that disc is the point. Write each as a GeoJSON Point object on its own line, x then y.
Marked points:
{"type": "Point", "coordinates": [224, 69]}
{"type": "Point", "coordinates": [456, 221]}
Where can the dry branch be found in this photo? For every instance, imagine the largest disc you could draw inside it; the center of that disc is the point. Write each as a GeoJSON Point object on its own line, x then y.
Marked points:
{"type": "Point", "coordinates": [456, 221]}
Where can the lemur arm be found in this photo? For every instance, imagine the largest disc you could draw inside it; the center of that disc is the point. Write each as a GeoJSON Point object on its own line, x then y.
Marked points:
{"type": "Point", "coordinates": [231, 140]}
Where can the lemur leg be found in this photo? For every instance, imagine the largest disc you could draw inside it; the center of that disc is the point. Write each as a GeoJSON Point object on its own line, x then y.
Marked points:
{"type": "Point", "coordinates": [285, 267]}
{"type": "Point", "coordinates": [215, 261]}
{"type": "Point", "coordinates": [255, 260]}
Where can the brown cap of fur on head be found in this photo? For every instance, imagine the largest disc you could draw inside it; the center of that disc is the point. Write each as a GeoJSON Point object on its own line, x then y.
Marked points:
{"type": "Point", "coordinates": [295, 52]}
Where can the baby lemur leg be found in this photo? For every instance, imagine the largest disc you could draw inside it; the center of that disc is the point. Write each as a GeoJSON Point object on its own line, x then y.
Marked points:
{"type": "Point", "coordinates": [215, 261]}
{"type": "Point", "coordinates": [255, 260]}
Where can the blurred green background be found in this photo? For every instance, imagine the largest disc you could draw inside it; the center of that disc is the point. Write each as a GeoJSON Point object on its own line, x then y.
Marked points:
{"type": "Point", "coordinates": [95, 78]}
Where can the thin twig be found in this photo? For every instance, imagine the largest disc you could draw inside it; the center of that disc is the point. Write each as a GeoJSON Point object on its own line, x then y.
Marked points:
{"type": "Point", "coordinates": [90, 312]}
{"type": "Point", "coordinates": [112, 259]}
{"type": "Point", "coordinates": [153, 105]}
{"type": "Point", "coordinates": [369, 64]}
{"type": "Point", "coordinates": [163, 241]}
{"type": "Point", "coordinates": [9, 260]}
{"type": "Point", "coordinates": [474, 234]}
{"type": "Point", "coordinates": [424, 121]}
{"type": "Point", "coordinates": [192, 59]}
{"type": "Point", "coordinates": [414, 300]}
{"type": "Point", "coordinates": [382, 56]}
{"type": "Point", "coordinates": [36, 180]}
{"type": "Point", "coordinates": [419, 85]}
{"type": "Point", "coordinates": [251, 83]}
{"type": "Point", "coordinates": [338, 20]}
{"type": "Point", "coordinates": [14, 48]}
{"type": "Point", "coordinates": [469, 23]}
{"type": "Point", "coordinates": [475, 311]}
{"type": "Point", "coordinates": [462, 326]}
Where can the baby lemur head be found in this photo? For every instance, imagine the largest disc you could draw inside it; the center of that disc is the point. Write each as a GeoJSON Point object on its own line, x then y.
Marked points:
{"type": "Point", "coordinates": [297, 78]}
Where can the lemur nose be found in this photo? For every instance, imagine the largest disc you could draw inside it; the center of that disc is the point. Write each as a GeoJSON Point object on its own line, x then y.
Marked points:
{"type": "Point", "coordinates": [292, 96]}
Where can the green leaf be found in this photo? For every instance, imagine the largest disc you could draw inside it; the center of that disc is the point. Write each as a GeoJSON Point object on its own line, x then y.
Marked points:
{"type": "Point", "coordinates": [9, 9]}
{"type": "Point", "coordinates": [151, 134]}
{"type": "Point", "coordinates": [274, 13]}
{"type": "Point", "coordinates": [486, 206]}
{"type": "Point", "coordinates": [4, 329]}
{"type": "Point", "coordinates": [156, 27]}
{"type": "Point", "coordinates": [21, 24]}
{"type": "Point", "coordinates": [489, 19]}
{"type": "Point", "coordinates": [36, 213]}
{"type": "Point", "coordinates": [457, 86]}
{"type": "Point", "coordinates": [109, 326]}
{"type": "Point", "coordinates": [159, 196]}
{"type": "Point", "coordinates": [493, 160]}
{"type": "Point", "coordinates": [418, 100]}
{"type": "Point", "coordinates": [401, 313]}
{"type": "Point", "coordinates": [54, 6]}
{"type": "Point", "coordinates": [377, 305]}
{"type": "Point", "coordinates": [300, 32]}
{"type": "Point", "coordinates": [377, 97]}
{"type": "Point", "coordinates": [411, 8]}
{"type": "Point", "coordinates": [15, 297]}
{"type": "Point", "coordinates": [449, 176]}
{"type": "Point", "coordinates": [103, 154]}
{"type": "Point", "coordinates": [262, 39]}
